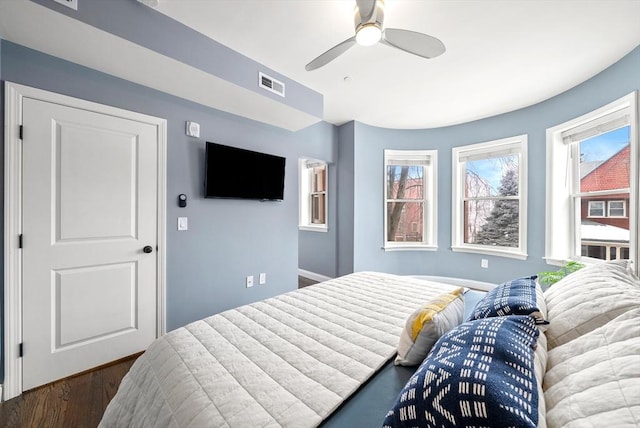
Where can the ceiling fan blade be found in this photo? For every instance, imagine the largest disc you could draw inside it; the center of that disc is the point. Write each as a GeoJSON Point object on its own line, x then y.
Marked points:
{"type": "Point", "coordinates": [331, 54]}
{"type": "Point", "coordinates": [413, 42]}
{"type": "Point", "coordinates": [366, 8]}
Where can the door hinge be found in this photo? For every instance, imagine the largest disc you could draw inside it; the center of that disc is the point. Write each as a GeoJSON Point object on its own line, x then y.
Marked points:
{"type": "Point", "coordinates": [21, 350]}
{"type": "Point", "coordinates": [20, 241]}
{"type": "Point", "coordinates": [20, 132]}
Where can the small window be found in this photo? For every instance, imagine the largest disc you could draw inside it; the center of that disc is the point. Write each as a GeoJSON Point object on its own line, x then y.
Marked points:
{"type": "Point", "coordinates": [489, 197]}
{"type": "Point", "coordinates": [596, 208]}
{"type": "Point", "coordinates": [410, 194]}
{"type": "Point", "coordinates": [313, 195]}
{"type": "Point", "coordinates": [617, 209]}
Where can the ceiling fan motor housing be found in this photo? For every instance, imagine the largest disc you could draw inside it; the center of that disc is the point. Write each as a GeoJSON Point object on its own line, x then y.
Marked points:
{"type": "Point", "coordinates": [374, 17]}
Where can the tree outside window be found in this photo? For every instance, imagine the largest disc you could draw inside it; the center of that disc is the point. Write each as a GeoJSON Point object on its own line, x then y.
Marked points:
{"type": "Point", "coordinates": [489, 199]}
{"type": "Point", "coordinates": [409, 195]}
{"type": "Point", "coordinates": [494, 211]}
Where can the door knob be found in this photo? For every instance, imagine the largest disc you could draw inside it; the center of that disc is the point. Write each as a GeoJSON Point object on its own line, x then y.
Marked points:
{"type": "Point", "coordinates": [148, 249]}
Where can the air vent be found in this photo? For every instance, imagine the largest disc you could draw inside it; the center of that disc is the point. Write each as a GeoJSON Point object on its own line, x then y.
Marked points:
{"type": "Point", "coordinates": [270, 84]}
{"type": "Point", "coordinates": [73, 4]}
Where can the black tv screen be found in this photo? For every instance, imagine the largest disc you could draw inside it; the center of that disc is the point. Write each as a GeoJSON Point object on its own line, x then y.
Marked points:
{"type": "Point", "coordinates": [236, 173]}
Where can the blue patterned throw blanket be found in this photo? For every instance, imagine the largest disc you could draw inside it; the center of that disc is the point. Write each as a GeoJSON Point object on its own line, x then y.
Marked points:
{"type": "Point", "coordinates": [480, 374]}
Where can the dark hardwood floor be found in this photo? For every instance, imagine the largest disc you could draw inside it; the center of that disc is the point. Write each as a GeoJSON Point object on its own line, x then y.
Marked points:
{"type": "Point", "coordinates": [303, 282]}
{"type": "Point", "coordinates": [77, 401]}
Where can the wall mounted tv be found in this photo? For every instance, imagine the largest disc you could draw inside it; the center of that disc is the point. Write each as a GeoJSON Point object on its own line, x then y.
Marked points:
{"type": "Point", "coordinates": [236, 173]}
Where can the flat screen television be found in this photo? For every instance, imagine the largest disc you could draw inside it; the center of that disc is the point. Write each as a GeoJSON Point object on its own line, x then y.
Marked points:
{"type": "Point", "coordinates": [236, 173]}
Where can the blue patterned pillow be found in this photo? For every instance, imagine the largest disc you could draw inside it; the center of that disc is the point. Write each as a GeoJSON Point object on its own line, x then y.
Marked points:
{"type": "Point", "coordinates": [516, 297]}
{"type": "Point", "coordinates": [480, 374]}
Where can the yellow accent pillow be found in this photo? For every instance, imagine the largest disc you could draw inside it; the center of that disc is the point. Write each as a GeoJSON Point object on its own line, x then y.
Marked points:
{"type": "Point", "coordinates": [426, 324]}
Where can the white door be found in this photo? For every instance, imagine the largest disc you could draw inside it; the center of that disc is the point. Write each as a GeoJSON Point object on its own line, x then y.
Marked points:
{"type": "Point", "coordinates": [89, 214]}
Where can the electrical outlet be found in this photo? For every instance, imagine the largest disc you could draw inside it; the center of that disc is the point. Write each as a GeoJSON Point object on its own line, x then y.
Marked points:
{"type": "Point", "coordinates": [249, 281]}
{"type": "Point", "coordinates": [484, 263]}
{"type": "Point", "coordinates": [263, 278]}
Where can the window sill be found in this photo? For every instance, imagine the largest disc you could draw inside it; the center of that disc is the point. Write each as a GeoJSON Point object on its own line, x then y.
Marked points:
{"type": "Point", "coordinates": [417, 247]}
{"type": "Point", "coordinates": [491, 252]}
{"type": "Point", "coordinates": [314, 228]}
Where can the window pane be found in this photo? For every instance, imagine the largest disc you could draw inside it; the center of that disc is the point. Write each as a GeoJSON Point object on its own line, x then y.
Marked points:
{"type": "Point", "coordinates": [404, 221]}
{"type": "Point", "coordinates": [596, 252]}
{"type": "Point", "coordinates": [605, 161]}
{"type": "Point", "coordinates": [492, 177]}
{"type": "Point", "coordinates": [616, 209]}
{"type": "Point", "coordinates": [493, 223]}
{"type": "Point", "coordinates": [405, 182]}
{"type": "Point", "coordinates": [319, 181]}
{"type": "Point", "coordinates": [605, 164]}
{"type": "Point", "coordinates": [624, 253]}
{"type": "Point", "coordinates": [318, 209]}
{"type": "Point", "coordinates": [596, 209]}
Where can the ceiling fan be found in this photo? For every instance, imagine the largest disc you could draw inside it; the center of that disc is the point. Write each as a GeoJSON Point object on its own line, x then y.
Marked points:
{"type": "Point", "coordinates": [369, 19]}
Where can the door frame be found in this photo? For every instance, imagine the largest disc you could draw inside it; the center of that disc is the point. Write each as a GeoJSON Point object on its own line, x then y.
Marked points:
{"type": "Point", "coordinates": [14, 95]}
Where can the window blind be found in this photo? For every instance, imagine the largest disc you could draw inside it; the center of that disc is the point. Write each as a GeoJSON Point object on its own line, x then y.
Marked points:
{"type": "Point", "coordinates": [606, 123]}
{"type": "Point", "coordinates": [407, 158]}
{"type": "Point", "coordinates": [490, 152]}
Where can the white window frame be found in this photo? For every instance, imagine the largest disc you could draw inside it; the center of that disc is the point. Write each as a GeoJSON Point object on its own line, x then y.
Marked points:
{"type": "Point", "coordinates": [624, 209]}
{"type": "Point", "coordinates": [429, 193]}
{"type": "Point", "coordinates": [305, 182]}
{"type": "Point", "coordinates": [593, 204]}
{"type": "Point", "coordinates": [562, 221]}
{"type": "Point", "coordinates": [512, 145]}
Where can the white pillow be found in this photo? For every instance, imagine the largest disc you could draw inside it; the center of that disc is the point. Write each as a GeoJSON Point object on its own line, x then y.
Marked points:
{"type": "Point", "coordinates": [588, 299]}
{"type": "Point", "coordinates": [594, 381]}
{"type": "Point", "coordinates": [425, 326]}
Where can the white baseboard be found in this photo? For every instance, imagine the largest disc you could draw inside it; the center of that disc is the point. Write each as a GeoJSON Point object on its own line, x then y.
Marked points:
{"type": "Point", "coordinates": [476, 285]}
{"type": "Point", "coordinates": [313, 275]}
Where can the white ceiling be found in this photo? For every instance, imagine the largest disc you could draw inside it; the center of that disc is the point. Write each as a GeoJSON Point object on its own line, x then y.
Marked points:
{"type": "Point", "coordinates": [501, 54]}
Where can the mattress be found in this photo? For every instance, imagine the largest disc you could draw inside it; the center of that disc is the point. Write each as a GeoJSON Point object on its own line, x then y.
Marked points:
{"type": "Point", "coordinates": [287, 361]}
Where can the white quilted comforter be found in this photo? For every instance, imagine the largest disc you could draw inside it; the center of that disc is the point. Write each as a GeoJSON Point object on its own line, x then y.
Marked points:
{"type": "Point", "coordinates": [287, 361]}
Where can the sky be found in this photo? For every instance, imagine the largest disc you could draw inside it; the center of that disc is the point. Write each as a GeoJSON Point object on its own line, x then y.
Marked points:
{"type": "Point", "coordinates": [490, 170]}
{"type": "Point", "coordinates": [603, 146]}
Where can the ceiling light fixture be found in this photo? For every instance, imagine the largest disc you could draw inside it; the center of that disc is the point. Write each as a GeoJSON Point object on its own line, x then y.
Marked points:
{"type": "Point", "coordinates": [368, 34]}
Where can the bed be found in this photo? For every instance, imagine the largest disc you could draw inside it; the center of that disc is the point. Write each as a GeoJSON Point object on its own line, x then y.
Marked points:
{"type": "Point", "coordinates": [290, 360]}
{"type": "Point", "coordinates": [322, 356]}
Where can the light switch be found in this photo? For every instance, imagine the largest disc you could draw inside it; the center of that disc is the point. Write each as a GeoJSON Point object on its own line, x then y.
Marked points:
{"type": "Point", "coordinates": [183, 223]}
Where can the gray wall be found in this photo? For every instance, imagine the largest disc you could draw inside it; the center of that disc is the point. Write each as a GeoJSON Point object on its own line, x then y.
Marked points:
{"type": "Point", "coordinates": [2, 218]}
{"type": "Point", "coordinates": [317, 250]}
{"type": "Point", "coordinates": [227, 239]}
{"type": "Point", "coordinates": [346, 198]}
{"type": "Point", "coordinates": [364, 145]}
